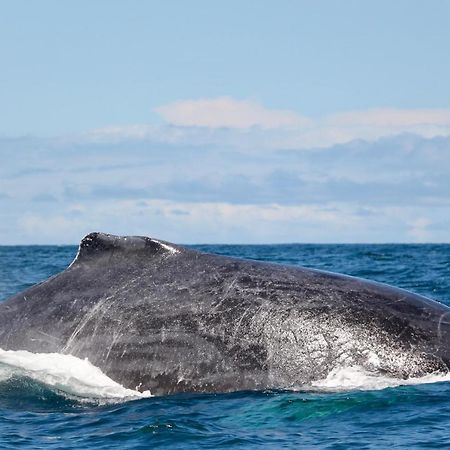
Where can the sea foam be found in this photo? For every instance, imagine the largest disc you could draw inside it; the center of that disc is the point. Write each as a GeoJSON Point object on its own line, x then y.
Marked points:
{"type": "Point", "coordinates": [357, 378]}
{"type": "Point", "coordinates": [65, 373]}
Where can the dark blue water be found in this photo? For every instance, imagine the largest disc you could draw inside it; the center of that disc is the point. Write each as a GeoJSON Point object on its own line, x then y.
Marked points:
{"type": "Point", "coordinates": [34, 416]}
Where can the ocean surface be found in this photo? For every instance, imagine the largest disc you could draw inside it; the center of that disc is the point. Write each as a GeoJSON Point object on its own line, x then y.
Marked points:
{"type": "Point", "coordinates": [53, 401]}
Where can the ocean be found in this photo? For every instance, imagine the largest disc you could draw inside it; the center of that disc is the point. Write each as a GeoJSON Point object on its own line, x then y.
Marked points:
{"type": "Point", "coordinates": [73, 406]}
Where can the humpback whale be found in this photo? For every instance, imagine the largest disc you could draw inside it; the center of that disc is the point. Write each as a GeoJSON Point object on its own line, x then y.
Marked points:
{"type": "Point", "coordinates": [161, 317]}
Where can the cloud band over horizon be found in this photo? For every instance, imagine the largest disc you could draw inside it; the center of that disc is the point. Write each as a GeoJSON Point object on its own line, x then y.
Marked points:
{"type": "Point", "coordinates": [255, 180]}
{"type": "Point", "coordinates": [210, 119]}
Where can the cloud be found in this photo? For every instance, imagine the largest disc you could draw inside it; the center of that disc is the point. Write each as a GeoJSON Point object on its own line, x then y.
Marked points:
{"type": "Point", "coordinates": [375, 123]}
{"type": "Point", "coordinates": [226, 112]}
{"type": "Point", "coordinates": [418, 229]}
{"type": "Point", "coordinates": [393, 189]}
{"type": "Point", "coordinates": [207, 221]}
{"type": "Point", "coordinates": [391, 117]}
{"type": "Point", "coordinates": [221, 222]}
{"type": "Point", "coordinates": [249, 125]}
{"type": "Point", "coordinates": [44, 197]}
{"type": "Point", "coordinates": [281, 128]}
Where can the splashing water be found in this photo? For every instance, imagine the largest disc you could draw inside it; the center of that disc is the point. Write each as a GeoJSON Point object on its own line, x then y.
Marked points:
{"type": "Point", "coordinates": [357, 378]}
{"type": "Point", "coordinates": [65, 373]}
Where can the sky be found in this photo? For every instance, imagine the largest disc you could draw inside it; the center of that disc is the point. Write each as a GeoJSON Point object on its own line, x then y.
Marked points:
{"type": "Point", "coordinates": [231, 122]}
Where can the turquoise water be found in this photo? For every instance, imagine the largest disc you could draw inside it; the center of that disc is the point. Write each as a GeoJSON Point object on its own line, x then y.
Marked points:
{"type": "Point", "coordinates": [33, 415]}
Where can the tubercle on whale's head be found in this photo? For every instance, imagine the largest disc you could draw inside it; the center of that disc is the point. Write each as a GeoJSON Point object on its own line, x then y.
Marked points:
{"type": "Point", "coordinates": [97, 244]}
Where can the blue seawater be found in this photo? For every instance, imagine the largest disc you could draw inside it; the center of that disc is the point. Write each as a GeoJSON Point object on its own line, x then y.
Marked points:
{"type": "Point", "coordinates": [33, 415]}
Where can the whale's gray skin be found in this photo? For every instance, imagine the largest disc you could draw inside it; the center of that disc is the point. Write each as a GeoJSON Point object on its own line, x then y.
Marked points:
{"type": "Point", "coordinates": [158, 316]}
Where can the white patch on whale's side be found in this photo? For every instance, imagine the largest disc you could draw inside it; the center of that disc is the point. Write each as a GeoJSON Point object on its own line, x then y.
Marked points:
{"type": "Point", "coordinates": [65, 373]}
{"type": "Point", "coordinates": [172, 250]}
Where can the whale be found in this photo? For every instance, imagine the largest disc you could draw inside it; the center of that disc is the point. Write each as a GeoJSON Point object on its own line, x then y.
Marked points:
{"type": "Point", "coordinates": [166, 318]}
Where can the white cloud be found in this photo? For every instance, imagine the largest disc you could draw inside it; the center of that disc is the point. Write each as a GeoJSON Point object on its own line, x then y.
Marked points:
{"type": "Point", "coordinates": [376, 123]}
{"type": "Point", "coordinates": [215, 222]}
{"type": "Point", "coordinates": [226, 112]}
{"type": "Point", "coordinates": [59, 228]}
{"type": "Point", "coordinates": [248, 124]}
{"type": "Point", "coordinates": [418, 231]}
{"type": "Point", "coordinates": [205, 222]}
{"type": "Point", "coordinates": [289, 129]}
{"type": "Point", "coordinates": [391, 117]}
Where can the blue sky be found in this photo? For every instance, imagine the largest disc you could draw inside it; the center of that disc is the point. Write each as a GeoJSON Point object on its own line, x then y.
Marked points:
{"type": "Point", "coordinates": [256, 121]}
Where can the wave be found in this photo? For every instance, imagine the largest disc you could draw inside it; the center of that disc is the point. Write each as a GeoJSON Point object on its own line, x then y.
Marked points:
{"type": "Point", "coordinates": [66, 374]}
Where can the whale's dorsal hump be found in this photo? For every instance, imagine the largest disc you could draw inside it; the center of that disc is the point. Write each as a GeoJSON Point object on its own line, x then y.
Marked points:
{"type": "Point", "coordinates": [96, 245]}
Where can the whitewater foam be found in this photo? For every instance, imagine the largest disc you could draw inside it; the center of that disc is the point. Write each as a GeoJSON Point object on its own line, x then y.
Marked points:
{"type": "Point", "coordinates": [357, 378]}
{"type": "Point", "coordinates": [65, 373]}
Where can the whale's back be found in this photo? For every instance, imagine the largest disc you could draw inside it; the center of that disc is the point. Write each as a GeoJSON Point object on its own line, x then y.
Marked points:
{"type": "Point", "coordinates": [168, 318]}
